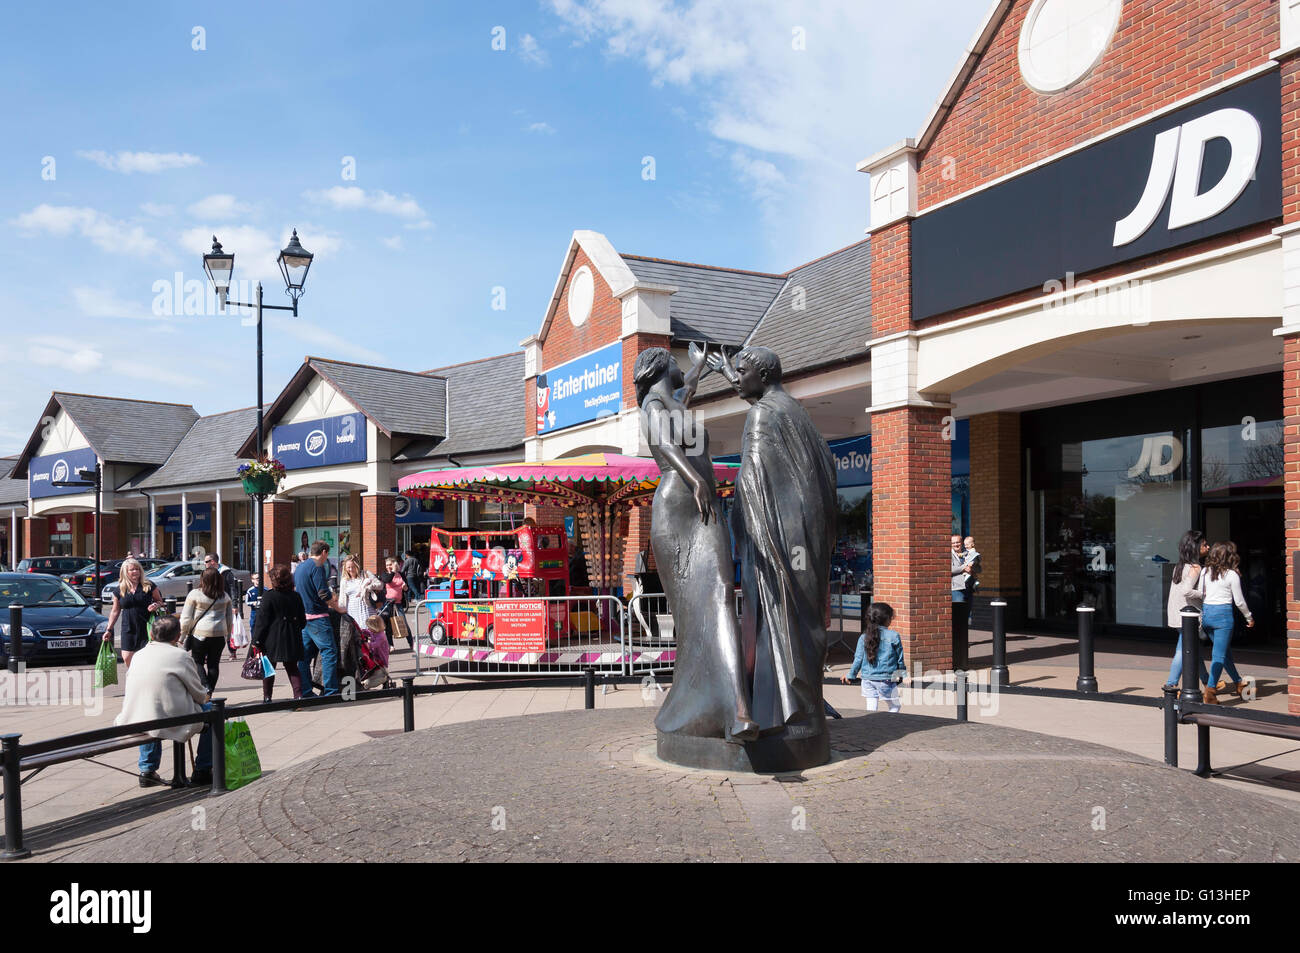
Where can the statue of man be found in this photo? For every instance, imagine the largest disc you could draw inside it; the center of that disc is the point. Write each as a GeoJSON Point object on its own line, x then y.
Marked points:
{"type": "Point", "coordinates": [783, 523]}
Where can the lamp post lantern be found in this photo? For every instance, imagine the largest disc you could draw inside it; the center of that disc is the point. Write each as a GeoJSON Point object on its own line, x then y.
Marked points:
{"type": "Point", "coordinates": [294, 262]}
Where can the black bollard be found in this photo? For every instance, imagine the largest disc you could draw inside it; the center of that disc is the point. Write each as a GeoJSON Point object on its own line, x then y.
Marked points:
{"type": "Point", "coordinates": [960, 635]}
{"type": "Point", "coordinates": [1170, 706]}
{"type": "Point", "coordinates": [1191, 649]}
{"type": "Point", "coordinates": [590, 700]}
{"type": "Point", "coordinates": [1000, 674]}
{"type": "Point", "coordinates": [408, 703]}
{"type": "Point", "coordinates": [961, 698]}
{"type": "Point", "coordinates": [14, 849]}
{"type": "Point", "coordinates": [217, 725]}
{"type": "Point", "coordinates": [15, 637]}
{"type": "Point", "coordinates": [169, 605]}
{"type": "Point", "coordinates": [1087, 680]}
{"type": "Point", "coordinates": [1203, 769]}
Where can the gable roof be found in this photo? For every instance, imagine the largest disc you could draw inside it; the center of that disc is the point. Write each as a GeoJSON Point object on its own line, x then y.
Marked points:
{"type": "Point", "coordinates": [11, 491]}
{"type": "Point", "coordinates": [399, 403]}
{"type": "Point", "coordinates": [119, 430]}
{"type": "Point", "coordinates": [486, 408]}
{"type": "Point", "coordinates": [833, 324]}
{"type": "Point", "coordinates": [207, 454]}
{"type": "Point", "coordinates": [710, 304]}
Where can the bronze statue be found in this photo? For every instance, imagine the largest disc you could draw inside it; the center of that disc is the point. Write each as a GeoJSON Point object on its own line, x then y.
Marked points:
{"type": "Point", "coordinates": [784, 527]}
{"type": "Point", "coordinates": [709, 697]}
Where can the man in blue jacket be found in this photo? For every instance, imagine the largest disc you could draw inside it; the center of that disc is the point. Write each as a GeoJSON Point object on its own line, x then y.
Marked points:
{"type": "Point", "coordinates": [311, 580]}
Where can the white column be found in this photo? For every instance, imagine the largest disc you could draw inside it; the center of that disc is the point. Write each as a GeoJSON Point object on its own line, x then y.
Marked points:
{"type": "Point", "coordinates": [153, 528]}
{"type": "Point", "coordinates": [185, 527]}
{"type": "Point", "coordinates": [13, 539]}
{"type": "Point", "coordinates": [217, 541]}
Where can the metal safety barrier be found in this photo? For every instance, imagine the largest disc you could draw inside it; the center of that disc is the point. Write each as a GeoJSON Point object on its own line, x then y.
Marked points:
{"type": "Point", "coordinates": [652, 638]}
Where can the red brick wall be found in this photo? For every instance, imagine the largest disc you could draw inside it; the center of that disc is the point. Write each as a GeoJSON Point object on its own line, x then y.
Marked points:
{"type": "Point", "coordinates": [113, 545]}
{"type": "Point", "coordinates": [633, 345]}
{"type": "Point", "coordinates": [911, 499]}
{"type": "Point", "coordinates": [1162, 51]}
{"type": "Point", "coordinates": [36, 536]}
{"type": "Point", "coordinates": [891, 279]}
{"type": "Point", "coordinates": [1291, 375]}
{"type": "Point", "coordinates": [378, 530]}
{"type": "Point", "coordinates": [277, 530]}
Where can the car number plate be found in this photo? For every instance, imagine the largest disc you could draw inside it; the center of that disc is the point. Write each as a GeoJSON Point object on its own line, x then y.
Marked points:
{"type": "Point", "coordinates": [65, 643]}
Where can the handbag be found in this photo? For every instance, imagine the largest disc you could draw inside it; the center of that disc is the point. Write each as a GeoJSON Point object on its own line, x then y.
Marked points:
{"type": "Point", "coordinates": [252, 669]}
{"type": "Point", "coordinates": [189, 636]}
{"type": "Point", "coordinates": [1200, 630]}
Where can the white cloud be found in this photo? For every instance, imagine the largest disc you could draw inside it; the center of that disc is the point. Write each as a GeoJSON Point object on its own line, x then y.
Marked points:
{"type": "Point", "coordinates": [350, 197]}
{"type": "Point", "coordinates": [220, 207]}
{"type": "Point", "coordinates": [395, 243]}
{"type": "Point", "coordinates": [149, 163]}
{"type": "Point", "coordinates": [324, 342]}
{"type": "Point", "coordinates": [58, 352]}
{"type": "Point", "coordinates": [109, 234]}
{"type": "Point", "coordinates": [808, 87]}
{"type": "Point", "coordinates": [104, 303]}
{"type": "Point", "coordinates": [531, 52]}
{"type": "Point", "coordinates": [156, 210]}
{"type": "Point", "coordinates": [419, 226]}
{"type": "Point", "coordinates": [542, 127]}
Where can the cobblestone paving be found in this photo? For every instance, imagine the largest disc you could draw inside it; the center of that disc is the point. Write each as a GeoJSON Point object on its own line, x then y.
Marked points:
{"type": "Point", "coordinates": [584, 785]}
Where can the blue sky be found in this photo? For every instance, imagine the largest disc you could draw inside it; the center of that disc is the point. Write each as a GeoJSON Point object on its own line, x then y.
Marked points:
{"type": "Point", "coordinates": [127, 147]}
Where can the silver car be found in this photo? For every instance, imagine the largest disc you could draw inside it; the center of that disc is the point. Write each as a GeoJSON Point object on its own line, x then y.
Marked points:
{"type": "Point", "coordinates": [175, 580]}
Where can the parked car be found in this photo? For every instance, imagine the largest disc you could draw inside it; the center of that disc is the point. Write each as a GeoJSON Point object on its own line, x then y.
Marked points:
{"type": "Point", "coordinates": [59, 625]}
{"type": "Point", "coordinates": [176, 579]}
{"type": "Point", "coordinates": [53, 565]}
{"type": "Point", "coordinates": [109, 573]}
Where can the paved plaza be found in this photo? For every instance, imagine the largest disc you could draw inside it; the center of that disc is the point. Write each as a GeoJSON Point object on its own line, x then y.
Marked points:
{"type": "Point", "coordinates": [585, 786]}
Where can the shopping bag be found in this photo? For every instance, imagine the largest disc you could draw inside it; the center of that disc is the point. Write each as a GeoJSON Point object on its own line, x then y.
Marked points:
{"type": "Point", "coordinates": [242, 764]}
{"type": "Point", "coordinates": [252, 669]}
{"type": "Point", "coordinates": [401, 628]}
{"type": "Point", "coordinates": [105, 666]}
{"type": "Point", "coordinates": [268, 668]}
{"type": "Point", "coordinates": [239, 633]}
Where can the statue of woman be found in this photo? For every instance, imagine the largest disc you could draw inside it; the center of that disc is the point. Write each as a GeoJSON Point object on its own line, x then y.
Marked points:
{"type": "Point", "coordinates": [709, 697]}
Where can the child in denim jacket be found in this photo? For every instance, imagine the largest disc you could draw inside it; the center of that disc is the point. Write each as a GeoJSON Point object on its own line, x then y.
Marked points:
{"type": "Point", "coordinates": [879, 658]}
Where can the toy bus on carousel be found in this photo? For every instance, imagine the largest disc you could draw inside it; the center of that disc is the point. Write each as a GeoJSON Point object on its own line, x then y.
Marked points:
{"type": "Point", "coordinates": [469, 569]}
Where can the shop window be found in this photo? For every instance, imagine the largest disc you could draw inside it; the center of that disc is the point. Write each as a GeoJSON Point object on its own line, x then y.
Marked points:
{"type": "Point", "coordinates": [499, 516]}
{"type": "Point", "coordinates": [1242, 459]}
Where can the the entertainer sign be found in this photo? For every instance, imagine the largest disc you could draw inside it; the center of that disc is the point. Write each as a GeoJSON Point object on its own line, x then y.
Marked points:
{"type": "Point", "coordinates": [585, 388]}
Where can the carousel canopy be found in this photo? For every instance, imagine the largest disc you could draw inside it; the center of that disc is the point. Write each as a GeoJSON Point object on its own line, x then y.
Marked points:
{"type": "Point", "coordinates": [594, 479]}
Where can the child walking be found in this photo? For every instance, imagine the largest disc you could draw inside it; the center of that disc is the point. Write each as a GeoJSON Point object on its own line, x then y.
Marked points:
{"type": "Point", "coordinates": [879, 658]}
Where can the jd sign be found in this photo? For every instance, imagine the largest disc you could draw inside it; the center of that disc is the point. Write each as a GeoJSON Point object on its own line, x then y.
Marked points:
{"type": "Point", "coordinates": [1176, 167]}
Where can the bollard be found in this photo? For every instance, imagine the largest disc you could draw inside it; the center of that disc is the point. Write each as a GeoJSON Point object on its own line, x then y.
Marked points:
{"type": "Point", "coordinates": [1170, 706]}
{"type": "Point", "coordinates": [1087, 680]}
{"type": "Point", "coordinates": [15, 637]}
{"type": "Point", "coordinates": [1191, 649]}
{"type": "Point", "coordinates": [217, 725]}
{"type": "Point", "coordinates": [961, 698]}
{"type": "Point", "coordinates": [14, 849]}
{"type": "Point", "coordinates": [1000, 674]}
{"type": "Point", "coordinates": [169, 605]}
{"type": "Point", "coordinates": [408, 703]}
{"type": "Point", "coordinates": [590, 699]}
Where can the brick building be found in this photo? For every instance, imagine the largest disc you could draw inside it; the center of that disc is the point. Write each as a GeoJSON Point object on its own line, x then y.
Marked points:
{"type": "Point", "coordinates": [1087, 254]}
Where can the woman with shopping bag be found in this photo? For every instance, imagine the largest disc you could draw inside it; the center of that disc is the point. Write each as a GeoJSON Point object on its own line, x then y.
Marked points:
{"type": "Point", "coordinates": [135, 599]}
{"type": "Point", "coordinates": [277, 636]}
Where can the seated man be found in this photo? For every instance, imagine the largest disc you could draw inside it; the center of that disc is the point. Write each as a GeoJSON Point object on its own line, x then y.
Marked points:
{"type": "Point", "coordinates": [164, 682]}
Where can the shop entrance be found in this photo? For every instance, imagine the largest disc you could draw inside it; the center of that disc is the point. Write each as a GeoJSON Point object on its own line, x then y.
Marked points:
{"type": "Point", "coordinates": [1256, 526]}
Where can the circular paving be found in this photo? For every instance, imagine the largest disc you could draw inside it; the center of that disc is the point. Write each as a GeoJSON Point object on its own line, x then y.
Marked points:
{"type": "Point", "coordinates": [585, 785]}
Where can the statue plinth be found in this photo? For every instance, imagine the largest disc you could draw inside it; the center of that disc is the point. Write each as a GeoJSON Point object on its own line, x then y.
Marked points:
{"type": "Point", "coordinates": [773, 752]}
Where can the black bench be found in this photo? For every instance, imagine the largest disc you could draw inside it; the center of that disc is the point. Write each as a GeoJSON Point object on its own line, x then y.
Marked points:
{"type": "Point", "coordinates": [1205, 717]}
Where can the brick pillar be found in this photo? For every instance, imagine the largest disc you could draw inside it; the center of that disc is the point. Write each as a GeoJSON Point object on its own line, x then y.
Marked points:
{"type": "Point", "coordinates": [1290, 71]}
{"type": "Point", "coordinates": [378, 530]}
{"type": "Point", "coordinates": [277, 530]}
{"type": "Point", "coordinates": [911, 501]}
{"type": "Point", "coordinates": [354, 524]}
{"type": "Point", "coordinates": [110, 544]}
{"type": "Point", "coordinates": [996, 513]}
{"type": "Point", "coordinates": [36, 536]}
{"type": "Point", "coordinates": [637, 541]}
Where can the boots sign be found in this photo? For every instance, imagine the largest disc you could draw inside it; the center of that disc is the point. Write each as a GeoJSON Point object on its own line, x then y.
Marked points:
{"type": "Point", "coordinates": [319, 443]}
{"type": "Point", "coordinates": [1211, 167]}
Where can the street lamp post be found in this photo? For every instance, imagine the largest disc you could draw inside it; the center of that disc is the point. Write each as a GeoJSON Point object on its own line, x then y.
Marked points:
{"type": "Point", "coordinates": [294, 262]}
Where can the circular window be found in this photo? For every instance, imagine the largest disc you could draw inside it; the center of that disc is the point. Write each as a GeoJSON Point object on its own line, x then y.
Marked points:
{"type": "Point", "coordinates": [1062, 40]}
{"type": "Point", "coordinates": [582, 288]}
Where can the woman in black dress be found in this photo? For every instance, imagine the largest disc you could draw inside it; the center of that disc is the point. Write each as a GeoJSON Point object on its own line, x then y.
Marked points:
{"type": "Point", "coordinates": [135, 600]}
{"type": "Point", "coordinates": [277, 633]}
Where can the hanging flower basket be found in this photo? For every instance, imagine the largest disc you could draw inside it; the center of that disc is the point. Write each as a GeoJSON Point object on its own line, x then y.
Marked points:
{"type": "Point", "coordinates": [261, 477]}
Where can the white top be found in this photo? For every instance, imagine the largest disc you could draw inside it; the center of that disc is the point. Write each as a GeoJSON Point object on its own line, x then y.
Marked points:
{"type": "Point", "coordinates": [215, 623]}
{"type": "Point", "coordinates": [1185, 592]}
{"type": "Point", "coordinates": [163, 681]}
{"type": "Point", "coordinates": [352, 593]}
{"type": "Point", "coordinates": [1226, 590]}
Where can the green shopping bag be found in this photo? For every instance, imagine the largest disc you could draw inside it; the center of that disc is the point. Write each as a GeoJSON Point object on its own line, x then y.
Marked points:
{"type": "Point", "coordinates": [242, 764]}
{"type": "Point", "coordinates": [105, 666]}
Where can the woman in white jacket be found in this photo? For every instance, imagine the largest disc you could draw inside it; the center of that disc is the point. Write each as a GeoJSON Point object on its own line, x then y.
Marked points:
{"type": "Point", "coordinates": [1220, 586]}
{"type": "Point", "coordinates": [207, 618]}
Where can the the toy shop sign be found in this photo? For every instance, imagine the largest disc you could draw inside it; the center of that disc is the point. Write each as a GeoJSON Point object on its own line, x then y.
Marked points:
{"type": "Point", "coordinates": [585, 388]}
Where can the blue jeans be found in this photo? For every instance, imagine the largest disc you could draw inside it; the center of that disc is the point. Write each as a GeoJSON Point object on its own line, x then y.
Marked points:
{"type": "Point", "coordinates": [318, 638]}
{"type": "Point", "coordinates": [1176, 669]}
{"type": "Point", "coordinates": [151, 753]}
{"type": "Point", "coordinates": [1217, 623]}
